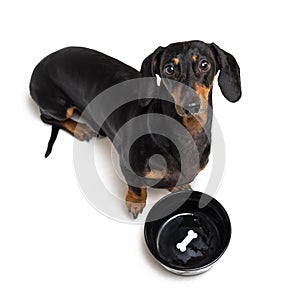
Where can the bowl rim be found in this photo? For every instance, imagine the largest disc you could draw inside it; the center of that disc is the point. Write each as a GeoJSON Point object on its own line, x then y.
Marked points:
{"type": "Point", "coordinates": [152, 248]}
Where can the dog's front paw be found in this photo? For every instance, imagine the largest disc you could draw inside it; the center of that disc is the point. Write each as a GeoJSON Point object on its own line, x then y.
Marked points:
{"type": "Point", "coordinates": [180, 188]}
{"type": "Point", "coordinates": [136, 200]}
{"type": "Point", "coordinates": [135, 208]}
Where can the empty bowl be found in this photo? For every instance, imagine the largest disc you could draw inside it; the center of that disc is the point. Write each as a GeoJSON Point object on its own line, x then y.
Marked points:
{"type": "Point", "coordinates": [187, 232]}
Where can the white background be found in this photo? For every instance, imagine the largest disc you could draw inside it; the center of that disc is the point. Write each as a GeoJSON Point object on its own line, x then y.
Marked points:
{"type": "Point", "coordinates": [54, 245]}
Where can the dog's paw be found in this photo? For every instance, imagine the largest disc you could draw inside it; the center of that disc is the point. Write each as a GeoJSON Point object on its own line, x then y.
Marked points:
{"type": "Point", "coordinates": [180, 188]}
{"type": "Point", "coordinates": [136, 200]}
{"type": "Point", "coordinates": [135, 208]}
{"type": "Point", "coordinates": [83, 132]}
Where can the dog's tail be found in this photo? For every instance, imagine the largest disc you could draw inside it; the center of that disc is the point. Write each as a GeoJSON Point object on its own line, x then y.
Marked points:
{"type": "Point", "coordinates": [54, 133]}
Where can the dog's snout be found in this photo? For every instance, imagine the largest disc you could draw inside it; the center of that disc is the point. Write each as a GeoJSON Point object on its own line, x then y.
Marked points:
{"type": "Point", "coordinates": [192, 108]}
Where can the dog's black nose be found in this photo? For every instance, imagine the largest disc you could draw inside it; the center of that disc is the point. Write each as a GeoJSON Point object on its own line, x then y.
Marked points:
{"type": "Point", "coordinates": [191, 109]}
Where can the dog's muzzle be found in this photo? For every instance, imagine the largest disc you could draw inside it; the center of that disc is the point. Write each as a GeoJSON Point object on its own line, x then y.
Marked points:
{"type": "Point", "coordinates": [191, 109]}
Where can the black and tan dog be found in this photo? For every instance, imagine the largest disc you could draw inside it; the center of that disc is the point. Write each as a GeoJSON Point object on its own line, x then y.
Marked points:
{"type": "Point", "coordinates": [66, 81]}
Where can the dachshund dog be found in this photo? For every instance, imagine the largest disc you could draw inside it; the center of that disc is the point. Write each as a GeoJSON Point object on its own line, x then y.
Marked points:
{"type": "Point", "coordinates": [66, 82]}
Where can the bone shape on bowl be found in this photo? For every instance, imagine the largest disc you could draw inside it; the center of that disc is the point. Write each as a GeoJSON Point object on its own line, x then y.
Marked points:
{"type": "Point", "coordinates": [190, 236]}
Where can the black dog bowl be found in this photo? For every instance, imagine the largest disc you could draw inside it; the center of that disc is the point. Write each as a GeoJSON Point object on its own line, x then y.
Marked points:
{"type": "Point", "coordinates": [187, 232]}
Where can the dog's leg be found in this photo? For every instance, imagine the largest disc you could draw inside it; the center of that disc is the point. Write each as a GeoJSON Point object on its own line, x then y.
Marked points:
{"type": "Point", "coordinates": [81, 131]}
{"type": "Point", "coordinates": [136, 200]}
{"type": "Point", "coordinates": [78, 130]}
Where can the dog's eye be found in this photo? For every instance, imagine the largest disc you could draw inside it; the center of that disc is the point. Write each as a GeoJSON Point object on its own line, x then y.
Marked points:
{"type": "Point", "coordinates": [204, 65]}
{"type": "Point", "coordinates": [169, 70]}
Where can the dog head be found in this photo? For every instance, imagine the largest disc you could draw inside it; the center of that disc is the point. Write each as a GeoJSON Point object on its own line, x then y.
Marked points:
{"type": "Point", "coordinates": [187, 71]}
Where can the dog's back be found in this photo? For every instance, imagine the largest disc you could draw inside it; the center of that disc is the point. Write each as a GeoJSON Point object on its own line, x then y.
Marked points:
{"type": "Point", "coordinates": [67, 80]}
{"type": "Point", "coordinates": [75, 75]}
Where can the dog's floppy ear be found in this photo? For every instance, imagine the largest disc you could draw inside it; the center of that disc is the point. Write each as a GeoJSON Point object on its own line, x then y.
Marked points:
{"type": "Point", "coordinates": [150, 65]}
{"type": "Point", "coordinates": [229, 77]}
{"type": "Point", "coordinates": [150, 68]}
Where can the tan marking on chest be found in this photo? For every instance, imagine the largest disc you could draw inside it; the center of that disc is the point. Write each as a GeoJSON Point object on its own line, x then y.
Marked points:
{"type": "Point", "coordinates": [194, 124]}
